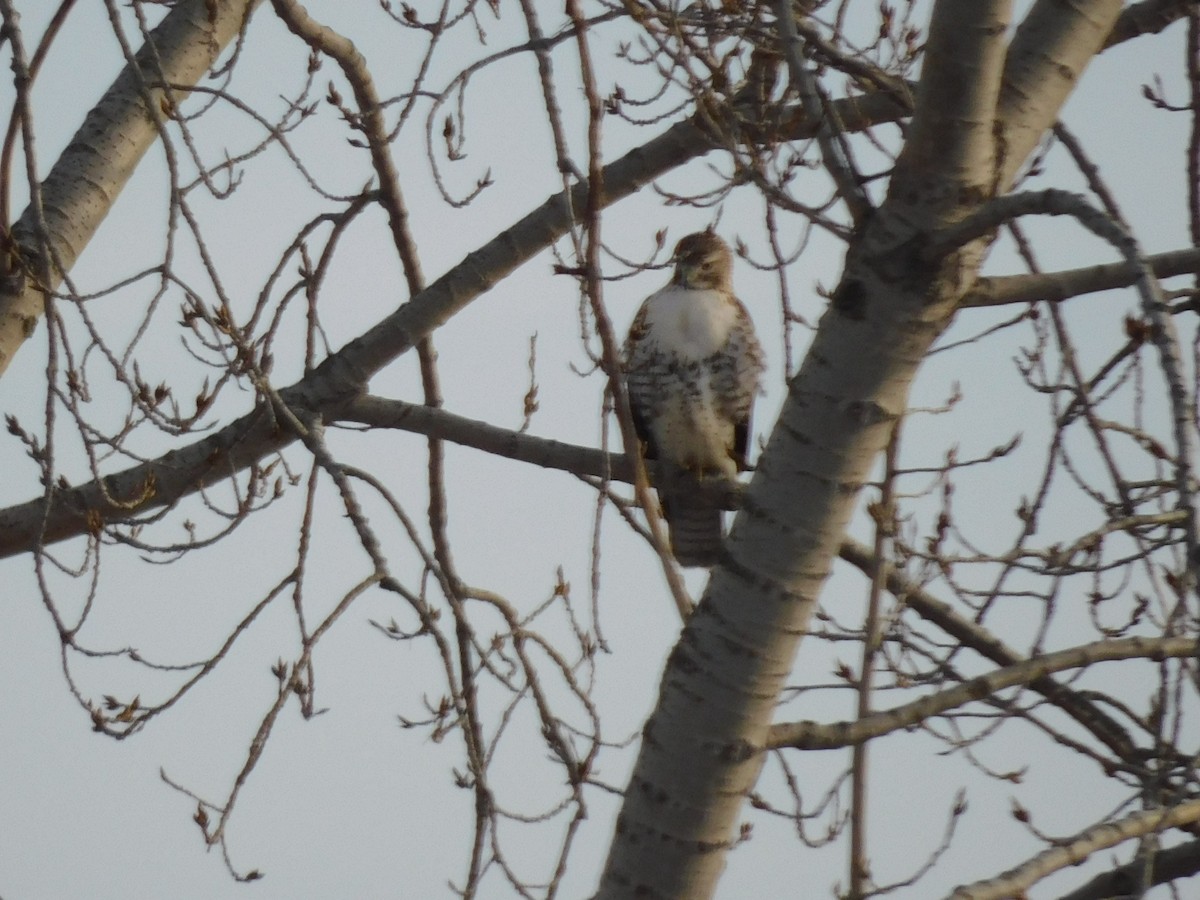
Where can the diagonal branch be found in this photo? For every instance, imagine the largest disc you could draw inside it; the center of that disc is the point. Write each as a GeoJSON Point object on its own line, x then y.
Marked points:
{"type": "Point", "coordinates": [1147, 17]}
{"type": "Point", "coordinates": [342, 376]}
{"type": "Point", "coordinates": [983, 642]}
{"type": "Point", "coordinates": [375, 412]}
{"type": "Point", "coordinates": [817, 736]}
{"type": "Point", "coordinates": [1056, 286]}
{"type": "Point", "coordinates": [1180, 861]}
{"type": "Point", "coordinates": [547, 453]}
{"type": "Point", "coordinates": [830, 136]}
{"type": "Point", "coordinates": [1072, 852]}
{"type": "Point", "coordinates": [185, 44]}
{"type": "Point", "coordinates": [592, 287]}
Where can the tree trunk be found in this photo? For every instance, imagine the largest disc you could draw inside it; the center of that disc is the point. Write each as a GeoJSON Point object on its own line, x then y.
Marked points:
{"type": "Point", "coordinates": [981, 107]}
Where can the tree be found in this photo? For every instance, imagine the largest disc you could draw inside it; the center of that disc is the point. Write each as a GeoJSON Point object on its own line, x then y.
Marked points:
{"type": "Point", "coordinates": [918, 144]}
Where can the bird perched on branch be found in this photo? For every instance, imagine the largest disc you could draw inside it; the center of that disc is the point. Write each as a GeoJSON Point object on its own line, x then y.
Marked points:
{"type": "Point", "coordinates": [693, 367]}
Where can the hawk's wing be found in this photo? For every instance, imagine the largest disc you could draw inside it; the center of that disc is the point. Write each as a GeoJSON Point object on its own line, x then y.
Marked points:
{"type": "Point", "coordinates": [737, 381]}
{"type": "Point", "coordinates": [644, 371]}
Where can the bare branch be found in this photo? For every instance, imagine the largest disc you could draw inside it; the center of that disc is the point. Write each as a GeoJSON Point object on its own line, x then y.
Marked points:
{"type": "Point", "coordinates": [814, 736]}
{"type": "Point", "coordinates": [1070, 853]}
{"type": "Point", "coordinates": [884, 515]}
{"type": "Point", "coordinates": [1171, 864]}
{"type": "Point", "coordinates": [1057, 286]}
{"type": "Point", "coordinates": [1147, 17]}
{"type": "Point", "coordinates": [971, 634]}
{"type": "Point", "coordinates": [593, 289]}
{"type": "Point", "coordinates": [1051, 202]}
{"type": "Point", "coordinates": [829, 133]}
{"type": "Point", "coordinates": [1106, 225]}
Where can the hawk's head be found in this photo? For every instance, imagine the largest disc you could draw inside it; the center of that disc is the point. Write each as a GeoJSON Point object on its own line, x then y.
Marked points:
{"type": "Point", "coordinates": [703, 260]}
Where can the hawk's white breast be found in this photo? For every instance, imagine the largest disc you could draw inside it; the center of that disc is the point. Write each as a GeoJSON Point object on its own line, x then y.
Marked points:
{"type": "Point", "coordinates": [685, 329]}
{"type": "Point", "coordinates": [691, 324]}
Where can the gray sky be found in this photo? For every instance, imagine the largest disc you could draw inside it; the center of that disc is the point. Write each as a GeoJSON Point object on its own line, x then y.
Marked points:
{"type": "Point", "coordinates": [349, 804]}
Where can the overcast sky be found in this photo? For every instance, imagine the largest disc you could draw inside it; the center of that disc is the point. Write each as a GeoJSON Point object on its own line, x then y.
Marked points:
{"type": "Point", "coordinates": [348, 803]}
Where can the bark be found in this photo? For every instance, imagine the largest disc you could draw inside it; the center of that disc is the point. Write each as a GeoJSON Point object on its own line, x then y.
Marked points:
{"type": "Point", "coordinates": [702, 748]}
{"type": "Point", "coordinates": [952, 136]}
{"type": "Point", "coordinates": [90, 174]}
{"type": "Point", "coordinates": [1049, 52]}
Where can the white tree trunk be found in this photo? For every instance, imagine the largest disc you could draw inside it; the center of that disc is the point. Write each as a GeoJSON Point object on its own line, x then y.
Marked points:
{"type": "Point", "coordinates": [981, 110]}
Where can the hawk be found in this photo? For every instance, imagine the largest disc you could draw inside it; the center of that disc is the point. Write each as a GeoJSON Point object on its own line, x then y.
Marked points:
{"type": "Point", "coordinates": [693, 367]}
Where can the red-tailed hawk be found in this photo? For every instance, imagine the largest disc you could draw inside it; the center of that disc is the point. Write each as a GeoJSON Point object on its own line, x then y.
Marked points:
{"type": "Point", "coordinates": [693, 368]}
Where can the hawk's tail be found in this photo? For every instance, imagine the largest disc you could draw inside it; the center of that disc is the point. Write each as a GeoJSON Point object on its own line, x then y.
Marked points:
{"type": "Point", "coordinates": [695, 527]}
